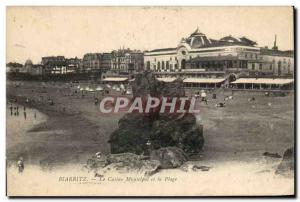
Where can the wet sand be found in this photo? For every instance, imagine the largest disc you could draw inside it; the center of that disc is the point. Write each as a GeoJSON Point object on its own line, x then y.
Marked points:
{"type": "Point", "coordinates": [73, 131]}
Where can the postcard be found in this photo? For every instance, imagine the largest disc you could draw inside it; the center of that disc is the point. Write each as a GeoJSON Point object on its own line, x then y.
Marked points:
{"type": "Point", "coordinates": [150, 101]}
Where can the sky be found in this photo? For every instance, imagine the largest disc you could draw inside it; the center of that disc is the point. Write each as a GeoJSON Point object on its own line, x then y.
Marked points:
{"type": "Point", "coordinates": [34, 32]}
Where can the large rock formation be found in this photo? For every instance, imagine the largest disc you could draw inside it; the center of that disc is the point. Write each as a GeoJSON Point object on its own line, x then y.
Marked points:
{"type": "Point", "coordinates": [146, 84]}
{"type": "Point", "coordinates": [141, 133]}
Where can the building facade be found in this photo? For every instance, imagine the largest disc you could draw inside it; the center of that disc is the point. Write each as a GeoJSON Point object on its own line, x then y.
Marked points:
{"type": "Point", "coordinates": [14, 67]}
{"type": "Point", "coordinates": [273, 62]}
{"type": "Point", "coordinates": [53, 64]}
{"type": "Point", "coordinates": [106, 60]}
{"type": "Point", "coordinates": [96, 62]}
{"type": "Point", "coordinates": [229, 58]}
{"type": "Point", "coordinates": [127, 61]}
{"type": "Point", "coordinates": [200, 56]}
{"type": "Point", "coordinates": [73, 65]}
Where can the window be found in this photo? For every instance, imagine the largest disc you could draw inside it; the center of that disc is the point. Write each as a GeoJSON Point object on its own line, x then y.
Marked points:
{"type": "Point", "coordinates": [148, 65]}
{"type": "Point", "coordinates": [246, 55]}
{"type": "Point", "coordinates": [163, 64]}
{"type": "Point", "coordinates": [260, 66]}
{"type": "Point", "coordinates": [271, 67]}
{"type": "Point", "coordinates": [167, 65]}
{"type": "Point", "coordinates": [253, 66]}
{"type": "Point", "coordinates": [158, 65]}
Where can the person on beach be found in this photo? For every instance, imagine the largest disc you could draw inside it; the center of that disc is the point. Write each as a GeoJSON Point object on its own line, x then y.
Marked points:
{"type": "Point", "coordinates": [11, 109]}
{"type": "Point", "coordinates": [25, 115]}
{"type": "Point", "coordinates": [96, 101]}
{"type": "Point", "coordinates": [20, 164]}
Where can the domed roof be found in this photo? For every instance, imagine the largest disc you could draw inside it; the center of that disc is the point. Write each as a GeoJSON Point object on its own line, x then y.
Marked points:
{"type": "Point", "coordinates": [197, 33]}
{"type": "Point", "coordinates": [28, 62]}
{"type": "Point", "coordinates": [197, 40]}
{"type": "Point", "coordinates": [237, 40]}
{"type": "Point", "coordinates": [230, 39]}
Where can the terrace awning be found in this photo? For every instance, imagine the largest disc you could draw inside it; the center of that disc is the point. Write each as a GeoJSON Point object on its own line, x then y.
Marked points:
{"type": "Point", "coordinates": [203, 80]}
{"type": "Point", "coordinates": [167, 79]}
{"type": "Point", "coordinates": [115, 79]}
{"type": "Point", "coordinates": [263, 81]}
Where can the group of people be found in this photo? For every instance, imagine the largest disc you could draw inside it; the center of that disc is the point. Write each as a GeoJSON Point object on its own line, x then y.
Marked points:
{"type": "Point", "coordinates": [14, 110]}
{"type": "Point", "coordinates": [202, 95]}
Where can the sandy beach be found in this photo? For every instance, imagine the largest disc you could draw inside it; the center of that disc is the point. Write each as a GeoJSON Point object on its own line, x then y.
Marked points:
{"type": "Point", "coordinates": [236, 136]}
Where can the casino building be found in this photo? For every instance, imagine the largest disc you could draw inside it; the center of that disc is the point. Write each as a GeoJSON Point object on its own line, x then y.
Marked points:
{"type": "Point", "coordinates": [206, 62]}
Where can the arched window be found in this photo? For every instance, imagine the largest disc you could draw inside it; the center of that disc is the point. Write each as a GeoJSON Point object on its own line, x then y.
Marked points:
{"type": "Point", "coordinates": [163, 64]}
{"type": "Point", "coordinates": [183, 64]}
{"type": "Point", "coordinates": [158, 65]}
{"type": "Point", "coordinates": [167, 65]}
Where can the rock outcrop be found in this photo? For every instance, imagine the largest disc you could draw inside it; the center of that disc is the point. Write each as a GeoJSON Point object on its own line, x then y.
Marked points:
{"type": "Point", "coordinates": [146, 84]}
{"type": "Point", "coordinates": [141, 133]}
{"type": "Point", "coordinates": [169, 157]}
{"type": "Point", "coordinates": [123, 163]}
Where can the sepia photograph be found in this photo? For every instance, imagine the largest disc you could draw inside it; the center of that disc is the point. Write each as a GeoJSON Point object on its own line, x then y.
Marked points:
{"type": "Point", "coordinates": [150, 101]}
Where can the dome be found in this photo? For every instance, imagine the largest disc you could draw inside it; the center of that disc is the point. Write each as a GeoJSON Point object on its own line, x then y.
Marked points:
{"type": "Point", "coordinates": [28, 62]}
{"type": "Point", "coordinates": [230, 39]}
{"type": "Point", "coordinates": [237, 40]}
{"type": "Point", "coordinates": [197, 40]}
{"type": "Point", "coordinates": [197, 33]}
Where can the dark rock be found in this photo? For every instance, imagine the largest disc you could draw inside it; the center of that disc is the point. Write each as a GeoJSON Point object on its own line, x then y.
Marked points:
{"type": "Point", "coordinates": [140, 132]}
{"type": "Point", "coordinates": [183, 133]}
{"type": "Point", "coordinates": [287, 164]}
{"type": "Point", "coordinates": [273, 155]}
{"type": "Point", "coordinates": [132, 134]}
{"type": "Point", "coordinates": [135, 131]}
{"type": "Point", "coordinates": [169, 157]}
{"type": "Point", "coordinates": [146, 84]}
